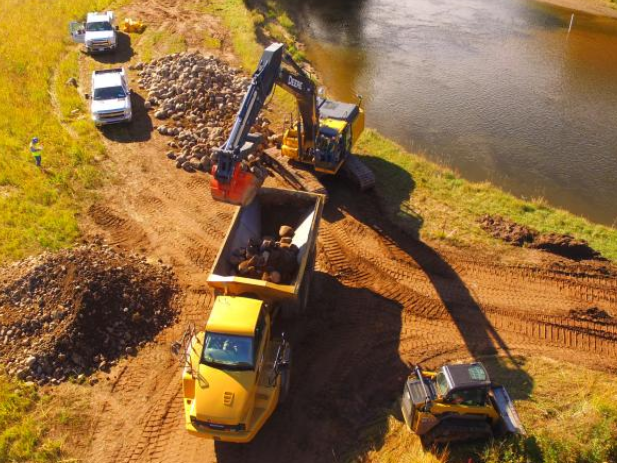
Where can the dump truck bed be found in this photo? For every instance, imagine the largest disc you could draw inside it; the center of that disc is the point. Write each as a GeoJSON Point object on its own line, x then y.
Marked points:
{"type": "Point", "coordinates": [270, 209]}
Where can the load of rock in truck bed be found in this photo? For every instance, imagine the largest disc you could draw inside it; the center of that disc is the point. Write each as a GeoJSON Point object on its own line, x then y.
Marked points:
{"type": "Point", "coordinates": [68, 314]}
{"type": "Point", "coordinates": [269, 260]}
{"type": "Point", "coordinates": [198, 99]}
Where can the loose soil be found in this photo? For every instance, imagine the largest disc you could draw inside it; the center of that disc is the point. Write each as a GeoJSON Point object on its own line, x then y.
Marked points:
{"type": "Point", "coordinates": [519, 235]}
{"type": "Point", "coordinates": [380, 301]}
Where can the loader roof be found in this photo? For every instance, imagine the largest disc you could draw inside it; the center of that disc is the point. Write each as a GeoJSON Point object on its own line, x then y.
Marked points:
{"type": "Point", "coordinates": [234, 315]}
{"type": "Point", "coordinates": [466, 376]}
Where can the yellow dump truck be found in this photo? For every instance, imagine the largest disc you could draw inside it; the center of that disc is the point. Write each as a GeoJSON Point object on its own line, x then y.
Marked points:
{"type": "Point", "coordinates": [237, 370]}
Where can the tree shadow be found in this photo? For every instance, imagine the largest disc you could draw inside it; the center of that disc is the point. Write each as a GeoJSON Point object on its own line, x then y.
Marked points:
{"type": "Point", "coordinates": [140, 128]}
{"type": "Point", "coordinates": [346, 369]}
{"type": "Point", "coordinates": [122, 54]}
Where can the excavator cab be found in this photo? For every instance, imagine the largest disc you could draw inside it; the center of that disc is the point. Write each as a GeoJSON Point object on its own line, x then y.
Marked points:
{"type": "Point", "coordinates": [331, 148]}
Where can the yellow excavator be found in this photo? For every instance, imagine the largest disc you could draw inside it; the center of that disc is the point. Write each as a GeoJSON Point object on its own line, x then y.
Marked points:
{"type": "Point", "coordinates": [323, 137]}
{"type": "Point", "coordinates": [457, 403]}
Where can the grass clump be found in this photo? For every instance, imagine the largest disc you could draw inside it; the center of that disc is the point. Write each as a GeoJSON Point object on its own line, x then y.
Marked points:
{"type": "Point", "coordinates": [156, 43]}
{"type": "Point", "coordinates": [436, 203]}
{"type": "Point", "coordinates": [390, 441]}
{"type": "Point", "coordinates": [37, 209]}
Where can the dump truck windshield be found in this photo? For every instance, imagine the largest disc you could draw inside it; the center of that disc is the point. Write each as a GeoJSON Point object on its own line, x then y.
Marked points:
{"type": "Point", "coordinates": [109, 93]}
{"type": "Point", "coordinates": [228, 352]}
{"type": "Point", "coordinates": [98, 26]}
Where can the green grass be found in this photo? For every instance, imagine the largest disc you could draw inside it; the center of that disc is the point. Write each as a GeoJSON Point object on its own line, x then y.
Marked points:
{"type": "Point", "coordinates": [240, 22]}
{"type": "Point", "coordinates": [37, 427]}
{"type": "Point", "coordinates": [569, 413]}
{"type": "Point", "coordinates": [38, 209]}
{"type": "Point", "coordinates": [436, 203]}
{"type": "Point", "coordinates": [22, 435]}
{"type": "Point", "coordinates": [157, 43]}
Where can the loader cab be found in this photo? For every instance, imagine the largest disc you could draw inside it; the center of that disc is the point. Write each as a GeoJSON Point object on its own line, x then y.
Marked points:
{"type": "Point", "coordinates": [465, 384]}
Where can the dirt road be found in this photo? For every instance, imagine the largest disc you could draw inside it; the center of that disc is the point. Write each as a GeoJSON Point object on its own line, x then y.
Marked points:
{"type": "Point", "coordinates": [380, 300]}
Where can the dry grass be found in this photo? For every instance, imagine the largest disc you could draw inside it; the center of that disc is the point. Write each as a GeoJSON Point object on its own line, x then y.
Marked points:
{"type": "Point", "coordinates": [36, 427]}
{"type": "Point", "coordinates": [569, 412]}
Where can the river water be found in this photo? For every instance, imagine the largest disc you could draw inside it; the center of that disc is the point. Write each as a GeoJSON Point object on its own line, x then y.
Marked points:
{"type": "Point", "coordinates": [496, 89]}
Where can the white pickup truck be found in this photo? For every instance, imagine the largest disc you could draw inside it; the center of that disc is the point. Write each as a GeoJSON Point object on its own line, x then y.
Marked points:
{"type": "Point", "coordinates": [110, 97]}
{"type": "Point", "coordinates": [98, 33]}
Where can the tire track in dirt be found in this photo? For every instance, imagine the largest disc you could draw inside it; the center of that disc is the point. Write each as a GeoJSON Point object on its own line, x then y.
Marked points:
{"type": "Point", "coordinates": [381, 300]}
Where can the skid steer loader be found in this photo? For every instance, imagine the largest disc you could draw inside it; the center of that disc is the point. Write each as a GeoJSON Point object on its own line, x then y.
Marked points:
{"type": "Point", "coordinates": [457, 403]}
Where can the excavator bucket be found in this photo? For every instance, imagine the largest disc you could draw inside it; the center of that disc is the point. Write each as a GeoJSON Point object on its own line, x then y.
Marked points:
{"type": "Point", "coordinates": [505, 407]}
{"type": "Point", "coordinates": [240, 190]}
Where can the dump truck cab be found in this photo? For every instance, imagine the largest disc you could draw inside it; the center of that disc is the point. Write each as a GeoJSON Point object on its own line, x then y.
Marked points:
{"type": "Point", "coordinates": [236, 371]}
{"type": "Point", "coordinates": [459, 402]}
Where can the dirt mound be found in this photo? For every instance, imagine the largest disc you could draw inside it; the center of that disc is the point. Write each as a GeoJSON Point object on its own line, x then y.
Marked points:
{"type": "Point", "coordinates": [79, 310]}
{"type": "Point", "coordinates": [199, 98]}
{"type": "Point", "coordinates": [507, 231]}
{"type": "Point", "coordinates": [555, 243]}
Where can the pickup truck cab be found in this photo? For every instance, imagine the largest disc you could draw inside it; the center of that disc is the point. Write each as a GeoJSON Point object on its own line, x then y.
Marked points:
{"type": "Point", "coordinates": [111, 97]}
{"type": "Point", "coordinates": [98, 33]}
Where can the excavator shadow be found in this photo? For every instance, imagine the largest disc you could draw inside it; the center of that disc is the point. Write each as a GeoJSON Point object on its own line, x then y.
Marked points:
{"type": "Point", "coordinates": [346, 369]}
{"type": "Point", "coordinates": [479, 337]}
{"type": "Point", "coordinates": [399, 185]}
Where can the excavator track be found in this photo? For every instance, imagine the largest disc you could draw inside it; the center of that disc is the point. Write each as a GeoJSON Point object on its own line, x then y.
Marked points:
{"type": "Point", "coordinates": [359, 173]}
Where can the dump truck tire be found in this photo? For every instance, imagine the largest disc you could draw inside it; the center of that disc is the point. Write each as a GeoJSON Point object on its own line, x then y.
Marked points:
{"type": "Point", "coordinates": [286, 381]}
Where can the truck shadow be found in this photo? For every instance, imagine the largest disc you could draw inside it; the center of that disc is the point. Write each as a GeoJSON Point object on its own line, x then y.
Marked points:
{"type": "Point", "coordinates": [123, 53]}
{"type": "Point", "coordinates": [346, 370]}
{"type": "Point", "coordinates": [139, 130]}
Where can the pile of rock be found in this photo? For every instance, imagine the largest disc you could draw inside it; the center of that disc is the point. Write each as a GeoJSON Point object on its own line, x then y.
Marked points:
{"type": "Point", "coordinates": [198, 97]}
{"type": "Point", "coordinates": [555, 243]}
{"type": "Point", "coordinates": [269, 260]}
{"type": "Point", "coordinates": [68, 314]}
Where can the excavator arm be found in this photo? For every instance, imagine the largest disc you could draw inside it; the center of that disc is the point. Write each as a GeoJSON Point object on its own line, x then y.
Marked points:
{"type": "Point", "coordinates": [230, 182]}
